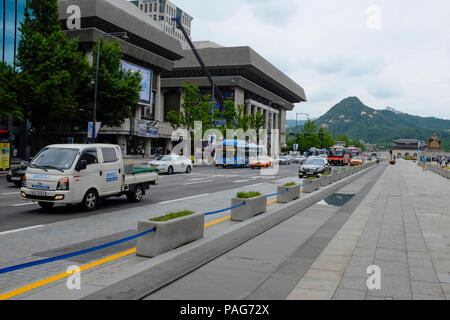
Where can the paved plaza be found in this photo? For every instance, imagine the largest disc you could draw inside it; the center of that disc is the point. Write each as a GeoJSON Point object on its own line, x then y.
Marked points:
{"type": "Point", "coordinates": [392, 217]}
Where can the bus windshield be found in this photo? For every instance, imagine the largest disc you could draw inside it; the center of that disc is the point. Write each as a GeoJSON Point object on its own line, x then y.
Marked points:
{"type": "Point", "coordinates": [337, 152]}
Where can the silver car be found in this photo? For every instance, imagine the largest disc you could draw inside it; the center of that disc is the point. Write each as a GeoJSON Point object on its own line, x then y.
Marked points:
{"type": "Point", "coordinates": [314, 166]}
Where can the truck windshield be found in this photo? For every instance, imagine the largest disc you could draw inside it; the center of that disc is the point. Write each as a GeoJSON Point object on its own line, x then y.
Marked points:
{"type": "Point", "coordinates": [56, 158]}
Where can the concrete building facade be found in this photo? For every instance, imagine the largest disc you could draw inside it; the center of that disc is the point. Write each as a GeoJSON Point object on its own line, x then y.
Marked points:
{"type": "Point", "coordinates": [162, 12]}
{"type": "Point", "coordinates": [243, 76]}
{"type": "Point", "coordinates": [147, 49]}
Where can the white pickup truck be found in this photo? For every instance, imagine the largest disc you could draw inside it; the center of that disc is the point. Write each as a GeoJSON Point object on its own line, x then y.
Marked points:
{"type": "Point", "coordinates": [83, 174]}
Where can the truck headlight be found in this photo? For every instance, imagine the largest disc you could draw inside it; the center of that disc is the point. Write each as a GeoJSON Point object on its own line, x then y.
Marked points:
{"type": "Point", "coordinates": [63, 184]}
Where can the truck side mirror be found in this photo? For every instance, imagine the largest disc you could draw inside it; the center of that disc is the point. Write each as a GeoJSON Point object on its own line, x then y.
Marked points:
{"type": "Point", "coordinates": [82, 165]}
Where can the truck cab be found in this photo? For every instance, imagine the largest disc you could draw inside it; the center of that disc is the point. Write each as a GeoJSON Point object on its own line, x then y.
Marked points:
{"type": "Point", "coordinates": [82, 174]}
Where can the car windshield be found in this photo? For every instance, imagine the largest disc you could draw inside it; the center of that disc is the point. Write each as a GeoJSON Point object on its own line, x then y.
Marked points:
{"type": "Point", "coordinates": [314, 162]}
{"type": "Point", "coordinates": [165, 158]}
{"type": "Point", "coordinates": [59, 158]}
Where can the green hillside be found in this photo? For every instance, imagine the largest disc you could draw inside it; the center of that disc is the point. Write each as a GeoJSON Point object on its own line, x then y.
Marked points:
{"type": "Point", "coordinates": [353, 118]}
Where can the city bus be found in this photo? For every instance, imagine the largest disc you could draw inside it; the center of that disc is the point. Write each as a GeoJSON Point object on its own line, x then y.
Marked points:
{"type": "Point", "coordinates": [339, 156]}
{"type": "Point", "coordinates": [236, 153]}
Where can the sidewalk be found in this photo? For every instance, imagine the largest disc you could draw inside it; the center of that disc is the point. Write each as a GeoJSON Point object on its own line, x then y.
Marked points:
{"type": "Point", "coordinates": [403, 227]}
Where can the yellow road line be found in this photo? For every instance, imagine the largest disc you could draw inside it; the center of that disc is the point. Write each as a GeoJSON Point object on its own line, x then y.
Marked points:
{"type": "Point", "coordinates": [217, 221]}
{"type": "Point", "coordinates": [64, 275]}
{"type": "Point", "coordinates": [88, 266]}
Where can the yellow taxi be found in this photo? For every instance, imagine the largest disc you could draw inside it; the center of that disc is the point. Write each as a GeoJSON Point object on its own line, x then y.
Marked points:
{"type": "Point", "coordinates": [262, 162]}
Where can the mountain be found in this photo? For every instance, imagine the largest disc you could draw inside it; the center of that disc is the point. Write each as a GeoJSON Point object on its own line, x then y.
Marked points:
{"type": "Point", "coordinates": [393, 110]}
{"type": "Point", "coordinates": [356, 120]}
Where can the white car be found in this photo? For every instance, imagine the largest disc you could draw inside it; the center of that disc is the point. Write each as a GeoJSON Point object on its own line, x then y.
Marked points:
{"type": "Point", "coordinates": [172, 164]}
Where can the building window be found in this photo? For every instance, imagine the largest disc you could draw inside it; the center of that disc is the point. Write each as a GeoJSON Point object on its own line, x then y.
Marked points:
{"type": "Point", "coordinates": [146, 8]}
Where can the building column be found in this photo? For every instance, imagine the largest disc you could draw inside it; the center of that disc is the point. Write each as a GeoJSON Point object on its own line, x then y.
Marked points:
{"type": "Point", "coordinates": [148, 147]}
{"type": "Point", "coordinates": [266, 117]}
{"type": "Point", "coordinates": [248, 109]}
{"type": "Point", "coordinates": [122, 142]}
{"type": "Point", "coordinates": [159, 101]}
{"type": "Point", "coordinates": [283, 127]}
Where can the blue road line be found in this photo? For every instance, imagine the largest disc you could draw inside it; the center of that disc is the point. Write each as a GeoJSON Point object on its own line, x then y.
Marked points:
{"type": "Point", "coordinates": [223, 210]}
{"type": "Point", "coordinates": [74, 254]}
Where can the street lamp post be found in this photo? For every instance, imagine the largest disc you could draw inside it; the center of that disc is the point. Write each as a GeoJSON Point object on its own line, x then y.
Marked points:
{"type": "Point", "coordinates": [112, 34]}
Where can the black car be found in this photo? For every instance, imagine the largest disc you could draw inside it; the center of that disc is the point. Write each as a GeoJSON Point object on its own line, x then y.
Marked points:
{"type": "Point", "coordinates": [16, 175]}
{"type": "Point", "coordinates": [314, 166]}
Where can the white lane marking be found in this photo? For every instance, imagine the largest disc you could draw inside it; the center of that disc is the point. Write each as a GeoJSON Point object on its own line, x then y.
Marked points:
{"type": "Point", "coordinates": [23, 204]}
{"type": "Point", "coordinates": [240, 181]}
{"type": "Point", "coordinates": [22, 229]}
{"type": "Point", "coordinates": [187, 198]}
{"type": "Point", "coordinates": [254, 185]}
{"type": "Point", "coordinates": [10, 193]}
{"type": "Point", "coordinates": [197, 182]}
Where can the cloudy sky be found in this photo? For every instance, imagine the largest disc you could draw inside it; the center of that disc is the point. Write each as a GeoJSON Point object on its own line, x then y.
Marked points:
{"type": "Point", "coordinates": [387, 53]}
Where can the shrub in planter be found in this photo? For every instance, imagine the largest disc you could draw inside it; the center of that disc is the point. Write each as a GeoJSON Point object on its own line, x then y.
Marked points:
{"type": "Point", "coordinates": [172, 231]}
{"type": "Point", "coordinates": [311, 184]}
{"type": "Point", "coordinates": [254, 204]}
{"type": "Point", "coordinates": [292, 192]}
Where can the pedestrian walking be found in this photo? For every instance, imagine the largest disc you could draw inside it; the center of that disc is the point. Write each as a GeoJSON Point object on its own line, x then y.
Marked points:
{"type": "Point", "coordinates": [424, 167]}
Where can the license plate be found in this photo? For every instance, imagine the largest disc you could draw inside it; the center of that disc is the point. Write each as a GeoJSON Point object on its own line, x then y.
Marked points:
{"type": "Point", "coordinates": [15, 178]}
{"type": "Point", "coordinates": [38, 193]}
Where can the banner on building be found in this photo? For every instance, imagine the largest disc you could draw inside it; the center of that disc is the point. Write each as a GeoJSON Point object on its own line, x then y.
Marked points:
{"type": "Point", "coordinates": [146, 81]}
{"type": "Point", "coordinates": [5, 156]}
{"type": "Point", "coordinates": [148, 129]}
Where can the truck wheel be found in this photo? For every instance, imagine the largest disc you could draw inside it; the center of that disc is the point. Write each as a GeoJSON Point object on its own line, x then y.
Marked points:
{"type": "Point", "coordinates": [90, 201]}
{"type": "Point", "coordinates": [136, 195]}
{"type": "Point", "coordinates": [46, 205]}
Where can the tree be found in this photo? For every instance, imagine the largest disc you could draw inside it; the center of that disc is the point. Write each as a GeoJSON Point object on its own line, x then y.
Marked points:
{"type": "Point", "coordinates": [51, 68]}
{"type": "Point", "coordinates": [343, 137]}
{"type": "Point", "coordinates": [118, 90]}
{"type": "Point", "coordinates": [242, 120]}
{"type": "Point", "coordinates": [326, 139]}
{"type": "Point", "coordinates": [194, 108]}
{"type": "Point", "coordinates": [309, 128]}
{"type": "Point", "coordinates": [8, 97]}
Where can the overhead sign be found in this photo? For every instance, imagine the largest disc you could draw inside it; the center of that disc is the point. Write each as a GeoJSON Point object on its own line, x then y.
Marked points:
{"type": "Point", "coordinates": [146, 81]}
{"type": "Point", "coordinates": [148, 129]}
{"type": "Point", "coordinates": [5, 156]}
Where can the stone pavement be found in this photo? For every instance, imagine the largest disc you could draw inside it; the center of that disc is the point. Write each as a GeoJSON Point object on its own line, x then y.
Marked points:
{"type": "Point", "coordinates": [403, 227]}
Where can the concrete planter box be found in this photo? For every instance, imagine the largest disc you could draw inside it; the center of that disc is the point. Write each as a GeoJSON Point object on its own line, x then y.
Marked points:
{"type": "Point", "coordinates": [311, 187]}
{"type": "Point", "coordinates": [345, 174]}
{"type": "Point", "coordinates": [325, 181]}
{"type": "Point", "coordinates": [292, 193]}
{"type": "Point", "coordinates": [334, 177]}
{"type": "Point", "coordinates": [252, 207]}
{"type": "Point", "coordinates": [169, 234]}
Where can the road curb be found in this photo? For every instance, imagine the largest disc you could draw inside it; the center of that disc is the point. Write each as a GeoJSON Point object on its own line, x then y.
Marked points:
{"type": "Point", "coordinates": [157, 276]}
